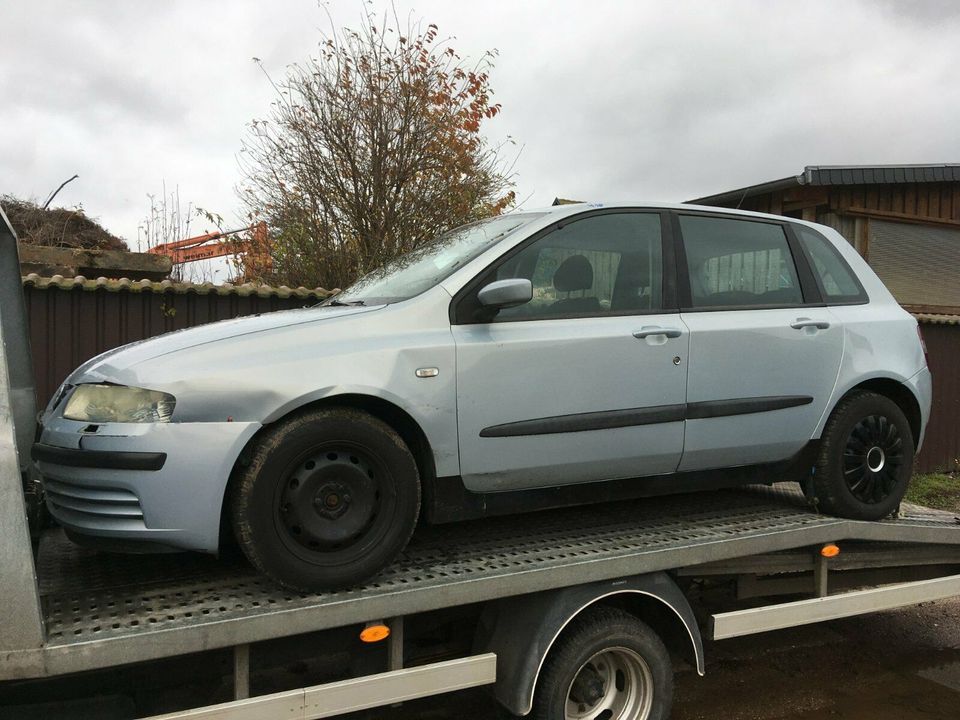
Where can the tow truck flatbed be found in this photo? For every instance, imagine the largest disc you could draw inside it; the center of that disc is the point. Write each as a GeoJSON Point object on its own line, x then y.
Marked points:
{"type": "Point", "coordinates": [101, 610]}
{"type": "Point", "coordinates": [486, 602]}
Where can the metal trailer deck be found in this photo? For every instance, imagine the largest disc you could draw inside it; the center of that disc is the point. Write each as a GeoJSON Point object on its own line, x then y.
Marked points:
{"type": "Point", "coordinates": [102, 610]}
{"type": "Point", "coordinates": [68, 610]}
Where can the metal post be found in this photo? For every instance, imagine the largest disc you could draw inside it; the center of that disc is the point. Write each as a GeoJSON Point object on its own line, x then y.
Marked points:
{"type": "Point", "coordinates": [16, 343]}
{"type": "Point", "coordinates": [821, 575]}
{"type": "Point", "coordinates": [395, 645]}
{"type": "Point", "coordinates": [21, 625]}
{"type": "Point", "coordinates": [395, 648]}
{"type": "Point", "coordinates": [241, 672]}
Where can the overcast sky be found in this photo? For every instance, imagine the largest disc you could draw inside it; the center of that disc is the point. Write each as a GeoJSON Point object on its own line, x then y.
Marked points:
{"type": "Point", "coordinates": [606, 100]}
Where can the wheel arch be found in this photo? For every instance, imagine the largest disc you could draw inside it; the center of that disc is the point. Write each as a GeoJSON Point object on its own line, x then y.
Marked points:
{"type": "Point", "coordinates": [899, 392]}
{"type": "Point", "coordinates": [390, 413]}
{"type": "Point", "coordinates": [663, 618]}
{"type": "Point", "coordinates": [522, 631]}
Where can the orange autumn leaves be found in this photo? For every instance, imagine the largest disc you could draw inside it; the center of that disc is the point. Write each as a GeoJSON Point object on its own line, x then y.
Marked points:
{"type": "Point", "coordinates": [370, 150]}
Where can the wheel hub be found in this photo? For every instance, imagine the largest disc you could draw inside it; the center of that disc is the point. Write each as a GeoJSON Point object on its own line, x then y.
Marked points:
{"type": "Point", "coordinates": [332, 500]}
{"type": "Point", "coordinates": [872, 458]}
{"type": "Point", "coordinates": [876, 459]}
{"type": "Point", "coordinates": [588, 687]}
{"type": "Point", "coordinates": [329, 500]}
{"type": "Point", "coordinates": [614, 684]}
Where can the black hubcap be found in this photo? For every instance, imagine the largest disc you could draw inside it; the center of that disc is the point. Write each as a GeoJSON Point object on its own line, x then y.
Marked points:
{"type": "Point", "coordinates": [872, 458]}
{"type": "Point", "coordinates": [330, 499]}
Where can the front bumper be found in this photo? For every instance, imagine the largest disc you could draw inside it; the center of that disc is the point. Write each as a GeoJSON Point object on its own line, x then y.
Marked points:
{"type": "Point", "coordinates": [160, 484]}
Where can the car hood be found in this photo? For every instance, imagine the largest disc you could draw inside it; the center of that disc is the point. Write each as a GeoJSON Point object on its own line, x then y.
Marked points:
{"type": "Point", "coordinates": [106, 365]}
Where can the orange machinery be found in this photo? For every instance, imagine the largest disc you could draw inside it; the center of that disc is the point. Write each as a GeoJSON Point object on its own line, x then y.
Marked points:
{"type": "Point", "coordinates": [255, 250]}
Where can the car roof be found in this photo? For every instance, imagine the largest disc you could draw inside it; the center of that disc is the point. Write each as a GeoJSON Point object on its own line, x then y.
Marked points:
{"type": "Point", "coordinates": [566, 209]}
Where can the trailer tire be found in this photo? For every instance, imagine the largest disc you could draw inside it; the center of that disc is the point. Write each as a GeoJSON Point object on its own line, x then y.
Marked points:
{"type": "Point", "coordinates": [865, 459]}
{"type": "Point", "coordinates": [328, 498]}
{"type": "Point", "coordinates": [606, 660]}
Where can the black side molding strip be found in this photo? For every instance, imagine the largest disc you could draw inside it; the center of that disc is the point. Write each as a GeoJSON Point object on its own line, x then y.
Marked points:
{"type": "Point", "coordinates": [602, 420]}
{"type": "Point", "coordinates": [744, 406]}
{"type": "Point", "coordinates": [605, 420]}
{"type": "Point", "coordinates": [107, 459]}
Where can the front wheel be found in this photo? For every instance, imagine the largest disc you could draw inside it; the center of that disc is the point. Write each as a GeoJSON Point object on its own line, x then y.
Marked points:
{"type": "Point", "coordinates": [866, 458]}
{"type": "Point", "coordinates": [607, 665]}
{"type": "Point", "coordinates": [328, 499]}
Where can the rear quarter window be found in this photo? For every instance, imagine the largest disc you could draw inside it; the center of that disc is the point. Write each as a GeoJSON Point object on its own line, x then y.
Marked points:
{"type": "Point", "coordinates": [838, 284]}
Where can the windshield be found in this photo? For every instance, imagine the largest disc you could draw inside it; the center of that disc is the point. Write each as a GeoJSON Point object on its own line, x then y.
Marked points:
{"type": "Point", "coordinates": [425, 267]}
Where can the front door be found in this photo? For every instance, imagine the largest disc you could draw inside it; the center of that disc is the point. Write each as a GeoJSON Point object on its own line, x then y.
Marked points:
{"type": "Point", "coordinates": [588, 380]}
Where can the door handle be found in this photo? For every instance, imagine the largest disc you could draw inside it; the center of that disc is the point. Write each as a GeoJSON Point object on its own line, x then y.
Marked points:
{"type": "Point", "coordinates": [801, 323]}
{"type": "Point", "coordinates": [649, 330]}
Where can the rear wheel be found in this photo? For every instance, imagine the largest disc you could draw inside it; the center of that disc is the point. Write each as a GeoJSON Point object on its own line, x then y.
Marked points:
{"type": "Point", "coordinates": [329, 498]}
{"type": "Point", "coordinates": [866, 458]}
{"type": "Point", "coordinates": [607, 666]}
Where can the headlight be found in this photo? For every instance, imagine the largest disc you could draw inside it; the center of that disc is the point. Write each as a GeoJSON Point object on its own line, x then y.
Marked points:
{"type": "Point", "coordinates": [119, 404]}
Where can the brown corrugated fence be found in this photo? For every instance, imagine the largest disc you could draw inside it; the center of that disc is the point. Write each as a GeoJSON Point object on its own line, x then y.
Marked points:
{"type": "Point", "coordinates": [71, 321]}
{"type": "Point", "coordinates": [941, 445]}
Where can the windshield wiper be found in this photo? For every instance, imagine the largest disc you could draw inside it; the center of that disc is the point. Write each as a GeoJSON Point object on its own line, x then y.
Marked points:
{"type": "Point", "coordinates": [334, 301]}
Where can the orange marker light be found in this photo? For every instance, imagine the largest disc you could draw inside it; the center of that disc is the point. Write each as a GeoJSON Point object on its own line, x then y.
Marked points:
{"type": "Point", "coordinates": [374, 632]}
{"type": "Point", "coordinates": [830, 550]}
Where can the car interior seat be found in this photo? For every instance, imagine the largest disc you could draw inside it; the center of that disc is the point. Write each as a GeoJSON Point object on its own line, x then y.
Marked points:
{"type": "Point", "coordinates": [575, 274]}
{"type": "Point", "coordinates": [629, 290]}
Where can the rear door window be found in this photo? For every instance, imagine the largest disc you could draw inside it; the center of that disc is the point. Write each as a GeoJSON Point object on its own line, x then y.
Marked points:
{"type": "Point", "coordinates": [738, 263]}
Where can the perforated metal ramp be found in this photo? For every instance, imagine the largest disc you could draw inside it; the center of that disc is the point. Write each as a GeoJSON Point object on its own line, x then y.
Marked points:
{"type": "Point", "coordinates": [103, 609]}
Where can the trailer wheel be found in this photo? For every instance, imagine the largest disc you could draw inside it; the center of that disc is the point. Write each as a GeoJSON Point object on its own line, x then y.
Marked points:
{"type": "Point", "coordinates": [328, 499]}
{"type": "Point", "coordinates": [866, 458]}
{"type": "Point", "coordinates": [607, 665]}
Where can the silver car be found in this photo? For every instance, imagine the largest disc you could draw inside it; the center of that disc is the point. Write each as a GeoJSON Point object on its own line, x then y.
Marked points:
{"type": "Point", "coordinates": [577, 354]}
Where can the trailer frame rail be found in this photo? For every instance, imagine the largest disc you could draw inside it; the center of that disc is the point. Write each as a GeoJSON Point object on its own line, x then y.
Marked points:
{"type": "Point", "coordinates": [831, 607]}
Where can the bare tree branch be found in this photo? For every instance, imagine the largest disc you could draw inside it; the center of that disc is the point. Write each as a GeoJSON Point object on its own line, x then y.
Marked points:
{"type": "Point", "coordinates": [56, 192]}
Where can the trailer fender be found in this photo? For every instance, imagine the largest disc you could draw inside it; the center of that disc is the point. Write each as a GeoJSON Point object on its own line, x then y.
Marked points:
{"type": "Point", "coordinates": [521, 630]}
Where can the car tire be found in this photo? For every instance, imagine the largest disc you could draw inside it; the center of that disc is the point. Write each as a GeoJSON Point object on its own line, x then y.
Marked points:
{"type": "Point", "coordinates": [606, 664]}
{"type": "Point", "coordinates": [865, 459]}
{"type": "Point", "coordinates": [327, 499]}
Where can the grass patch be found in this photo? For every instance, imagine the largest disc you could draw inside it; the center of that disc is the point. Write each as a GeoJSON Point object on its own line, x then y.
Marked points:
{"type": "Point", "coordinates": [935, 490]}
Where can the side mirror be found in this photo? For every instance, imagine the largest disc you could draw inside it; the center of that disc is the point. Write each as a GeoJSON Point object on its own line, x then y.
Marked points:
{"type": "Point", "coordinates": [506, 293]}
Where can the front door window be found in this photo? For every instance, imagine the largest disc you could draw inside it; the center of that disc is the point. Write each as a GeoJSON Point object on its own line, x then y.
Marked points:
{"type": "Point", "coordinates": [601, 265]}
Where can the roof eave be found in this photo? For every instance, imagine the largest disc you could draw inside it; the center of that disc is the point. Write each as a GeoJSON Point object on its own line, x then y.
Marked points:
{"type": "Point", "coordinates": [742, 194]}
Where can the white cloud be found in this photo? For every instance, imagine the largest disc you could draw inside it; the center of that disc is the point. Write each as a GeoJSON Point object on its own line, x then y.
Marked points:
{"type": "Point", "coordinates": [609, 100]}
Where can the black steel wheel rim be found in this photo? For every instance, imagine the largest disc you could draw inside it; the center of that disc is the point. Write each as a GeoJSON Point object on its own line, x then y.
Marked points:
{"type": "Point", "coordinates": [872, 459]}
{"type": "Point", "coordinates": [333, 503]}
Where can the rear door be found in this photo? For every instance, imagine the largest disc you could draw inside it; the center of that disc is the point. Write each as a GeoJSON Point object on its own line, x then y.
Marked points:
{"type": "Point", "coordinates": [581, 383]}
{"type": "Point", "coordinates": [764, 351]}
